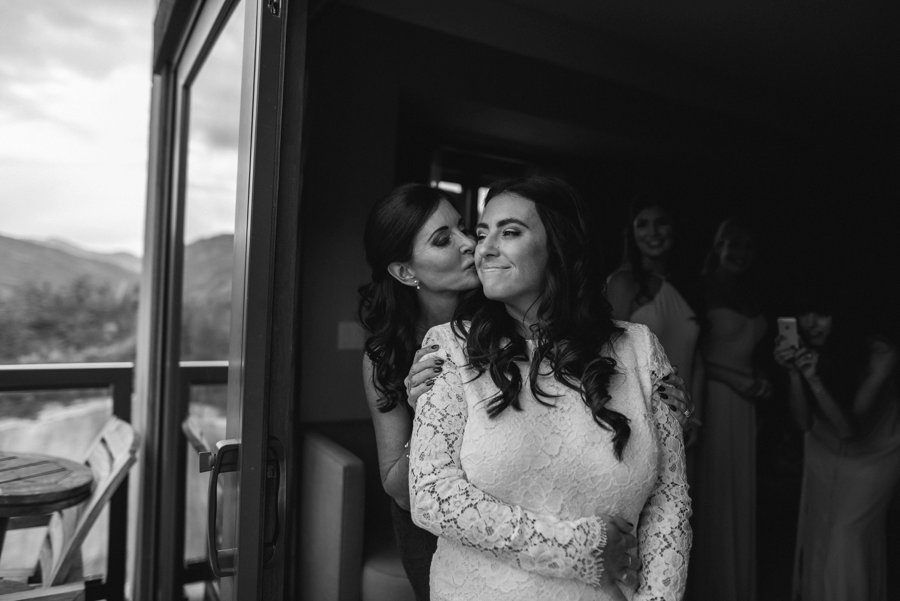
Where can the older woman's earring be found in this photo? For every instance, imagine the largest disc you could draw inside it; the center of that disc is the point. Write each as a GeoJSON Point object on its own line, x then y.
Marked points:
{"type": "Point", "coordinates": [417, 285]}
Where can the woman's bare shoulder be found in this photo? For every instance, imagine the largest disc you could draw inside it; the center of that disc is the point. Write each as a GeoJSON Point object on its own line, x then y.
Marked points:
{"type": "Point", "coordinates": [621, 292]}
{"type": "Point", "coordinates": [623, 287]}
{"type": "Point", "coordinates": [623, 277]}
{"type": "Point", "coordinates": [368, 374]}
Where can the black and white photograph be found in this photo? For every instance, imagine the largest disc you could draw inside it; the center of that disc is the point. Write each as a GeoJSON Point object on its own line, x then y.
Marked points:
{"type": "Point", "coordinates": [470, 300]}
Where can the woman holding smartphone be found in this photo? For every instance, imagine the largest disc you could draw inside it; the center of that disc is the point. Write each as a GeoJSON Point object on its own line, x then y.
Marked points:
{"type": "Point", "coordinates": [844, 394]}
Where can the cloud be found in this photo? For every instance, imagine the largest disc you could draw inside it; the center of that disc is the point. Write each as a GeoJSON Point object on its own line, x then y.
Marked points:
{"type": "Point", "coordinates": [71, 204]}
{"type": "Point", "coordinates": [74, 110]}
{"type": "Point", "coordinates": [210, 192]}
{"type": "Point", "coordinates": [216, 93]}
{"type": "Point", "coordinates": [75, 81]}
{"type": "Point", "coordinates": [90, 38]}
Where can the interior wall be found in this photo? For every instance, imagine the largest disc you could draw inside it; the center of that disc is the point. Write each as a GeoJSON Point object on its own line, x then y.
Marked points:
{"type": "Point", "coordinates": [351, 134]}
{"type": "Point", "coordinates": [383, 93]}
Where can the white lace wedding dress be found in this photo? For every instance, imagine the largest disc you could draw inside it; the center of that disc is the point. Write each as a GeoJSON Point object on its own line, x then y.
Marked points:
{"type": "Point", "coordinates": [514, 499]}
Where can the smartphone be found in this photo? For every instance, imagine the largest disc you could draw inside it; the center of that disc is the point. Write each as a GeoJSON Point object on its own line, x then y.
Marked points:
{"type": "Point", "coordinates": [787, 329]}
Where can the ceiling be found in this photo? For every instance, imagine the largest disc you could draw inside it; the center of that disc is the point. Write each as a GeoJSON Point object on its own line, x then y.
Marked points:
{"type": "Point", "coordinates": [802, 60]}
{"type": "Point", "coordinates": [780, 38]}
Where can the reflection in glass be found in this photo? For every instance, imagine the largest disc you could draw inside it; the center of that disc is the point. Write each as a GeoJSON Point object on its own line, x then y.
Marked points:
{"type": "Point", "coordinates": [209, 214]}
{"type": "Point", "coordinates": [207, 412]}
{"type": "Point", "coordinates": [212, 163]}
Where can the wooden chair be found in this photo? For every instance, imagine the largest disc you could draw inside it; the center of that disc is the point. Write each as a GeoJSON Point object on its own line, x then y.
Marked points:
{"type": "Point", "coordinates": [66, 592]}
{"type": "Point", "coordinates": [110, 456]}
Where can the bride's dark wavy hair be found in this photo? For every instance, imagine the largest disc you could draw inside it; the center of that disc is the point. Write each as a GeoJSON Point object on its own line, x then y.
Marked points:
{"type": "Point", "coordinates": [388, 310]}
{"type": "Point", "coordinates": [575, 325]}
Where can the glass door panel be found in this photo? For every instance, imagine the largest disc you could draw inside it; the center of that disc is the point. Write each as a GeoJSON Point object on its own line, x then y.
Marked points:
{"type": "Point", "coordinates": [223, 95]}
{"type": "Point", "coordinates": [209, 208]}
{"type": "Point", "coordinates": [207, 203]}
{"type": "Point", "coordinates": [210, 196]}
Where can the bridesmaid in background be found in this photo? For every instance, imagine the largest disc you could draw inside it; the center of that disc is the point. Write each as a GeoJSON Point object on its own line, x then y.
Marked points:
{"type": "Point", "coordinates": [652, 288]}
{"type": "Point", "coordinates": [844, 393]}
{"type": "Point", "coordinates": [725, 500]}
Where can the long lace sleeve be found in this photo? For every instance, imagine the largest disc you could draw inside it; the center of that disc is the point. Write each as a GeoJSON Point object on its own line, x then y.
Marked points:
{"type": "Point", "coordinates": [664, 533]}
{"type": "Point", "coordinates": [447, 504]}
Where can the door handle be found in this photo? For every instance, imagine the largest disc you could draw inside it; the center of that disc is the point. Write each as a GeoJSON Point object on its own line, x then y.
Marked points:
{"type": "Point", "coordinates": [274, 503]}
{"type": "Point", "coordinates": [226, 459]}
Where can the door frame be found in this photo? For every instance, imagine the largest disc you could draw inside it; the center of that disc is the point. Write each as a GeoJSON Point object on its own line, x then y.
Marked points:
{"type": "Point", "coordinates": [266, 362]}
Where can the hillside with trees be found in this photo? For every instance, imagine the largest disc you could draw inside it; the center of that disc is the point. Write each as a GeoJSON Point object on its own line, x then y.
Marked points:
{"type": "Point", "coordinates": [63, 304]}
{"type": "Point", "coordinates": [28, 263]}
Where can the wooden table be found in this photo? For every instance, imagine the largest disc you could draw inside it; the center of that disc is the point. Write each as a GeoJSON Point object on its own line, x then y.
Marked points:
{"type": "Point", "coordinates": [34, 485]}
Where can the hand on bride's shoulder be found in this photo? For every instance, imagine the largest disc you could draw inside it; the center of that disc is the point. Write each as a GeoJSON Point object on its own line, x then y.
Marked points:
{"type": "Point", "coordinates": [883, 357]}
{"type": "Point", "coordinates": [425, 368]}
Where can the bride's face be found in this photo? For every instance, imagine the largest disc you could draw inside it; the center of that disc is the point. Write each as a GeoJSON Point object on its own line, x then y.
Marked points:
{"type": "Point", "coordinates": [511, 255]}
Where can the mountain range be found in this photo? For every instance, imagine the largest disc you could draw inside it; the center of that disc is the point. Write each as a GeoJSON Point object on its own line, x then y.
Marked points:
{"type": "Point", "coordinates": [57, 263]}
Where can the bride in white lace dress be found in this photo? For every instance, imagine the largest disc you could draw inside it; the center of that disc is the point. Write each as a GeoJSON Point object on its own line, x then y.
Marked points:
{"type": "Point", "coordinates": [522, 497]}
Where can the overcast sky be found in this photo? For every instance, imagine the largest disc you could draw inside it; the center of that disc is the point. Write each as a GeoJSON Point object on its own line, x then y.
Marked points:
{"type": "Point", "coordinates": [74, 106]}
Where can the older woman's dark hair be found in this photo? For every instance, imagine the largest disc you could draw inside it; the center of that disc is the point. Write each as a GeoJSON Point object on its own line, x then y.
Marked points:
{"type": "Point", "coordinates": [575, 323]}
{"type": "Point", "coordinates": [388, 310]}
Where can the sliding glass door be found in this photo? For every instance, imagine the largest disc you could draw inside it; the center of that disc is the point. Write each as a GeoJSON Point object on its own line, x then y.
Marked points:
{"type": "Point", "coordinates": [219, 352]}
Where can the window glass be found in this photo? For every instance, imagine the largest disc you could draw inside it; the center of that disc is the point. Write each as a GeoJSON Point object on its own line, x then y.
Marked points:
{"type": "Point", "coordinates": [209, 224]}
{"type": "Point", "coordinates": [73, 159]}
{"type": "Point", "coordinates": [453, 187]}
{"type": "Point", "coordinates": [74, 117]}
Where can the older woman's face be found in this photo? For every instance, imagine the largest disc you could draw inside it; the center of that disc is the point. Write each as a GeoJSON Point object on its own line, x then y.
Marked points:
{"type": "Point", "coordinates": [511, 252]}
{"type": "Point", "coordinates": [442, 255]}
{"type": "Point", "coordinates": [653, 232]}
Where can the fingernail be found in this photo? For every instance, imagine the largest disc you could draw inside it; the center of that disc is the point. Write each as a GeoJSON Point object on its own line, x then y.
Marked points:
{"type": "Point", "coordinates": [660, 388]}
{"type": "Point", "coordinates": [437, 370]}
{"type": "Point", "coordinates": [429, 382]}
{"type": "Point", "coordinates": [438, 361]}
{"type": "Point", "coordinates": [663, 395]}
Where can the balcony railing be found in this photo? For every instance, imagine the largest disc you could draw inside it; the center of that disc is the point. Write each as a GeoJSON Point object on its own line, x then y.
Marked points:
{"type": "Point", "coordinates": [118, 378]}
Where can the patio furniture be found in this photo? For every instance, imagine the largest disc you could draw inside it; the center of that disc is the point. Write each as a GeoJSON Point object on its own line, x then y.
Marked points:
{"type": "Point", "coordinates": [109, 458]}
